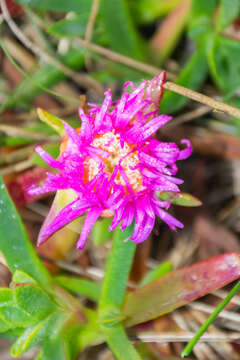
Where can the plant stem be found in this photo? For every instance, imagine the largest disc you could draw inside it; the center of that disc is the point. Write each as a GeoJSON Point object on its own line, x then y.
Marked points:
{"type": "Point", "coordinates": [187, 350]}
{"type": "Point", "coordinates": [113, 291]}
{"type": "Point", "coordinates": [119, 344]}
{"type": "Point", "coordinates": [117, 271]}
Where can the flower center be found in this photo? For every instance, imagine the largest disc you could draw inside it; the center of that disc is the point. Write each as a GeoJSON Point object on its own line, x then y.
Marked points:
{"type": "Point", "coordinates": [120, 156]}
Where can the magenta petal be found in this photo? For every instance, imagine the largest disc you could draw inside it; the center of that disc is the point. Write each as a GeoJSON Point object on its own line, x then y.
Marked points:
{"type": "Point", "coordinates": [86, 130]}
{"type": "Point", "coordinates": [127, 84]}
{"type": "Point", "coordinates": [127, 217]}
{"type": "Point", "coordinates": [72, 134]}
{"type": "Point", "coordinates": [90, 220]}
{"type": "Point", "coordinates": [154, 125]}
{"type": "Point", "coordinates": [48, 158]}
{"type": "Point", "coordinates": [105, 107]}
{"type": "Point", "coordinates": [65, 216]}
{"type": "Point", "coordinates": [121, 171]}
{"type": "Point", "coordinates": [147, 227]}
{"type": "Point", "coordinates": [117, 218]}
{"type": "Point", "coordinates": [169, 219]}
{"type": "Point", "coordinates": [184, 154]}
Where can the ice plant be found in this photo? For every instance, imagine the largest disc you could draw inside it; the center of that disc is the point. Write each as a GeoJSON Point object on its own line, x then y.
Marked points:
{"type": "Point", "coordinates": [115, 165]}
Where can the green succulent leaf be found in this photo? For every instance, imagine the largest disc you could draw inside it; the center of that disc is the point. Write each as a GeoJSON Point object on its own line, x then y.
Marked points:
{"type": "Point", "coordinates": [179, 198]}
{"type": "Point", "coordinates": [180, 287]}
{"type": "Point", "coordinates": [6, 297]}
{"type": "Point", "coordinates": [73, 27]}
{"type": "Point", "coordinates": [34, 300]}
{"type": "Point", "coordinates": [14, 244]}
{"type": "Point", "coordinates": [162, 269]}
{"type": "Point", "coordinates": [119, 28]}
{"type": "Point", "coordinates": [227, 13]}
{"type": "Point", "coordinates": [82, 6]}
{"type": "Point", "coordinates": [20, 277]}
{"type": "Point", "coordinates": [51, 120]}
{"type": "Point", "coordinates": [36, 334]}
{"type": "Point", "coordinates": [55, 349]}
{"type": "Point", "coordinates": [223, 59]}
{"type": "Point", "coordinates": [4, 324]}
{"type": "Point", "coordinates": [16, 317]}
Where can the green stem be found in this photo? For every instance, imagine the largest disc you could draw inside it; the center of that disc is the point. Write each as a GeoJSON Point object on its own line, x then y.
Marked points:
{"type": "Point", "coordinates": [119, 344]}
{"type": "Point", "coordinates": [84, 287]}
{"type": "Point", "coordinates": [113, 291]}
{"type": "Point", "coordinates": [187, 350]}
{"type": "Point", "coordinates": [117, 272]}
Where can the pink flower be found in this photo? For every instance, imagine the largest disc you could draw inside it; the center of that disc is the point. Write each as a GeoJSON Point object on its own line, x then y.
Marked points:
{"type": "Point", "coordinates": [115, 165]}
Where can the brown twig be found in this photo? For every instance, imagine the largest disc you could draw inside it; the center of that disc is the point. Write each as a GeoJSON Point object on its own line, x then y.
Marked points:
{"type": "Point", "coordinates": [114, 56]}
{"type": "Point", "coordinates": [89, 29]}
{"type": "Point", "coordinates": [16, 155]}
{"type": "Point", "coordinates": [23, 165]}
{"type": "Point", "coordinates": [181, 119]}
{"type": "Point", "coordinates": [206, 100]}
{"type": "Point", "coordinates": [91, 20]}
{"type": "Point", "coordinates": [172, 337]}
{"type": "Point", "coordinates": [19, 132]}
{"type": "Point", "coordinates": [181, 90]}
{"type": "Point", "coordinates": [208, 309]}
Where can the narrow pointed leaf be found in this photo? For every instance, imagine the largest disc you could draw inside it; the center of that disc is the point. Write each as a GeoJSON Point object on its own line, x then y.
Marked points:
{"type": "Point", "coordinates": [159, 271]}
{"type": "Point", "coordinates": [180, 287]}
{"type": "Point", "coordinates": [14, 244]}
{"type": "Point", "coordinates": [227, 14]}
{"type": "Point", "coordinates": [72, 27]}
{"type": "Point", "coordinates": [82, 6]}
{"type": "Point", "coordinates": [51, 120]}
{"type": "Point", "coordinates": [119, 28]}
{"type": "Point", "coordinates": [80, 286]}
{"type": "Point", "coordinates": [180, 198]}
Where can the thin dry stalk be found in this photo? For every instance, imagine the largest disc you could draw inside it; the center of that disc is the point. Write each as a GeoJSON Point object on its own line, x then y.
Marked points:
{"type": "Point", "coordinates": [89, 29]}
{"type": "Point", "coordinates": [222, 294]}
{"type": "Point", "coordinates": [91, 20]}
{"type": "Point", "coordinates": [204, 99]}
{"type": "Point", "coordinates": [21, 166]}
{"type": "Point", "coordinates": [176, 337]}
{"type": "Point", "coordinates": [83, 80]}
{"type": "Point", "coordinates": [125, 60]}
{"type": "Point", "coordinates": [16, 155]}
{"type": "Point", "coordinates": [181, 90]}
{"type": "Point", "coordinates": [191, 115]}
{"type": "Point", "coordinates": [19, 132]}
{"type": "Point", "coordinates": [228, 315]}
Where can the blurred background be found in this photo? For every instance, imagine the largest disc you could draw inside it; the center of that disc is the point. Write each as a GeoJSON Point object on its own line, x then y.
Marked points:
{"type": "Point", "coordinates": [58, 54]}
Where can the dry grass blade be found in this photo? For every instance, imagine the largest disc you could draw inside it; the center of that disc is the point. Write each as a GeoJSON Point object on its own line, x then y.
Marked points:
{"type": "Point", "coordinates": [82, 79]}
{"type": "Point", "coordinates": [176, 337]}
{"type": "Point", "coordinates": [228, 315]}
{"type": "Point", "coordinates": [16, 131]}
{"type": "Point", "coordinates": [23, 165]}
